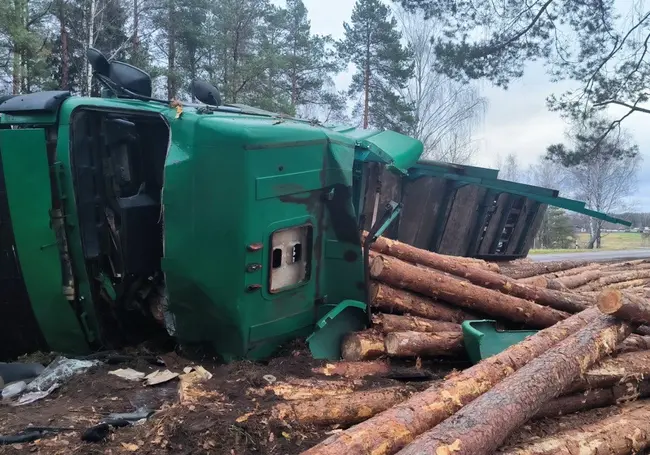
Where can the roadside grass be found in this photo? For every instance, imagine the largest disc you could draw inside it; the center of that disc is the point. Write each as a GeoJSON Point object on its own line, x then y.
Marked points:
{"type": "Point", "coordinates": [611, 241]}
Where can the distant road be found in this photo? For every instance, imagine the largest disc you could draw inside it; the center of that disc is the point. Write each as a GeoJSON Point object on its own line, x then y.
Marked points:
{"type": "Point", "coordinates": [623, 255]}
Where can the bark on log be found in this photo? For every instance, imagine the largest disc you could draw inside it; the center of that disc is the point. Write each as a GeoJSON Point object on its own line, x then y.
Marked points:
{"type": "Point", "coordinates": [484, 424]}
{"type": "Point", "coordinates": [391, 430]}
{"type": "Point", "coordinates": [366, 345]}
{"type": "Point", "coordinates": [574, 281]}
{"type": "Point", "coordinates": [621, 434]}
{"type": "Point", "coordinates": [393, 300]}
{"type": "Point", "coordinates": [634, 343]}
{"type": "Point", "coordinates": [617, 278]}
{"type": "Point", "coordinates": [307, 389]}
{"type": "Point", "coordinates": [594, 398]}
{"type": "Point", "coordinates": [562, 274]}
{"type": "Point", "coordinates": [626, 306]}
{"type": "Point", "coordinates": [341, 410]}
{"type": "Point", "coordinates": [429, 282]}
{"type": "Point", "coordinates": [418, 344]}
{"type": "Point", "coordinates": [540, 268]}
{"type": "Point", "coordinates": [354, 370]}
{"type": "Point", "coordinates": [611, 371]}
{"type": "Point", "coordinates": [409, 253]}
{"type": "Point", "coordinates": [388, 323]}
{"type": "Point", "coordinates": [485, 278]}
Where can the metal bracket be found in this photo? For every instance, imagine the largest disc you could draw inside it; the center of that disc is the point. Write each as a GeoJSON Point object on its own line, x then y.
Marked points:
{"type": "Point", "coordinates": [392, 211]}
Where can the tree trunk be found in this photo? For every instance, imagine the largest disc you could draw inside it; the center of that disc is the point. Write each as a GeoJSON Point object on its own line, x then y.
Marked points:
{"type": "Point", "coordinates": [634, 343]}
{"type": "Point", "coordinates": [90, 42]}
{"type": "Point", "coordinates": [306, 389]}
{"type": "Point", "coordinates": [366, 345]}
{"type": "Point", "coordinates": [625, 367]}
{"type": "Point", "coordinates": [388, 432]}
{"type": "Point", "coordinates": [594, 398]}
{"type": "Point", "coordinates": [627, 284]}
{"type": "Point", "coordinates": [616, 278]}
{"type": "Point", "coordinates": [65, 53]}
{"type": "Point", "coordinates": [574, 281]}
{"type": "Point", "coordinates": [419, 344]}
{"type": "Point", "coordinates": [563, 273]}
{"type": "Point", "coordinates": [429, 282]}
{"type": "Point", "coordinates": [366, 86]}
{"type": "Point", "coordinates": [626, 306]}
{"type": "Point", "coordinates": [386, 298]}
{"type": "Point", "coordinates": [354, 370]}
{"type": "Point", "coordinates": [171, 51]}
{"type": "Point", "coordinates": [17, 71]}
{"type": "Point", "coordinates": [624, 433]}
{"type": "Point", "coordinates": [390, 323]}
{"type": "Point", "coordinates": [409, 253]}
{"type": "Point", "coordinates": [136, 29]}
{"type": "Point", "coordinates": [482, 426]}
{"type": "Point", "coordinates": [340, 410]}
{"type": "Point", "coordinates": [540, 268]}
{"type": "Point", "coordinates": [480, 276]}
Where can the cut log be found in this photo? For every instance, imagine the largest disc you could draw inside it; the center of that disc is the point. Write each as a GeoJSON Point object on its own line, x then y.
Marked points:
{"type": "Point", "coordinates": [609, 372]}
{"type": "Point", "coordinates": [388, 323]}
{"type": "Point", "coordinates": [418, 344]}
{"type": "Point", "coordinates": [341, 410]}
{"type": "Point", "coordinates": [485, 423]}
{"type": "Point", "coordinates": [574, 281]}
{"type": "Point", "coordinates": [354, 370]}
{"type": "Point", "coordinates": [409, 253]}
{"type": "Point", "coordinates": [391, 430]}
{"type": "Point", "coordinates": [634, 343]}
{"type": "Point", "coordinates": [540, 268]}
{"type": "Point", "coordinates": [306, 389]}
{"type": "Point", "coordinates": [366, 345]}
{"type": "Point", "coordinates": [485, 278]}
{"type": "Point", "coordinates": [562, 273]}
{"type": "Point", "coordinates": [429, 282]}
{"type": "Point", "coordinates": [621, 434]}
{"type": "Point", "coordinates": [626, 306]}
{"type": "Point", "coordinates": [594, 398]}
{"type": "Point", "coordinates": [392, 300]}
{"type": "Point", "coordinates": [616, 278]}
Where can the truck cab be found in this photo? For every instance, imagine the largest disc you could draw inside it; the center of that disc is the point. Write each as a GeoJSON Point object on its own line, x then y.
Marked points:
{"type": "Point", "coordinates": [126, 217]}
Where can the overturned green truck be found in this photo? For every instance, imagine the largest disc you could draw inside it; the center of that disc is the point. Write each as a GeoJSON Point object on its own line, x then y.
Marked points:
{"type": "Point", "coordinates": [124, 217]}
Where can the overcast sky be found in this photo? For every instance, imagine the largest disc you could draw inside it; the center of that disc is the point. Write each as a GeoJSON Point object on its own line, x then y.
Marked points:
{"type": "Point", "coordinates": [517, 120]}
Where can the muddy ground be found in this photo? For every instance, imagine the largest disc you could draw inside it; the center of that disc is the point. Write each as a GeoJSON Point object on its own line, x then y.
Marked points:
{"type": "Point", "coordinates": [225, 417]}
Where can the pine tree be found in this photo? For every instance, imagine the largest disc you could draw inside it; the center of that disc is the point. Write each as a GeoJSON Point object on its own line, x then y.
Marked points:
{"type": "Point", "coordinates": [310, 61]}
{"type": "Point", "coordinates": [23, 24]}
{"type": "Point", "coordinates": [556, 230]}
{"type": "Point", "coordinates": [372, 44]}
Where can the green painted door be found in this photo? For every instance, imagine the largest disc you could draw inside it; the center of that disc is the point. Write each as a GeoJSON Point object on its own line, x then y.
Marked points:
{"type": "Point", "coordinates": [27, 177]}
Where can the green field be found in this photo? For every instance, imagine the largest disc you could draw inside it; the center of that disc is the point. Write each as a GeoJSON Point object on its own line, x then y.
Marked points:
{"type": "Point", "coordinates": [610, 241]}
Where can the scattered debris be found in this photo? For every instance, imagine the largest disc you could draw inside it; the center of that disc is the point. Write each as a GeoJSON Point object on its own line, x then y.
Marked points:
{"type": "Point", "coordinates": [128, 373]}
{"type": "Point", "coordinates": [13, 390]}
{"type": "Point", "coordinates": [159, 377]}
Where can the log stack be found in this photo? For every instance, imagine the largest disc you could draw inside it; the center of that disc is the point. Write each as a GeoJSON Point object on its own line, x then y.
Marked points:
{"type": "Point", "coordinates": [591, 353]}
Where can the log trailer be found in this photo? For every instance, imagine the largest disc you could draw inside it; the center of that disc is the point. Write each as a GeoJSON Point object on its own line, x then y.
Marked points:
{"type": "Point", "coordinates": [123, 216]}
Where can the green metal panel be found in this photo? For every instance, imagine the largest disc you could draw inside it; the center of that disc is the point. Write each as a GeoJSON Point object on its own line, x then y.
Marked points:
{"type": "Point", "coordinates": [396, 150]}
{"type": "Point", "coordinates": [27, 174]}
{"type": "Point", "coordinates": [218, 241]}
{"type": "Point", "coordinates": [539, 194]}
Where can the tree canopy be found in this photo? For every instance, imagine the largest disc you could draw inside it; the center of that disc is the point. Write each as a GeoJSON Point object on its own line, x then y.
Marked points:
{"type": "Point", "coordinates": [596, 44]}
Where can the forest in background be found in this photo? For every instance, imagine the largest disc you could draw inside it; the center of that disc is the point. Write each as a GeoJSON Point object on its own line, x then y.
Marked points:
{"type": "Point", "coordinates": [257, 52]}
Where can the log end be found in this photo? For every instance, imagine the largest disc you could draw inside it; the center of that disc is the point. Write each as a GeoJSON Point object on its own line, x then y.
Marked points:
{"type": "Point", "coordinates": [377, 267]}
{"type": "Point", "coordinates": [610, 301]}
